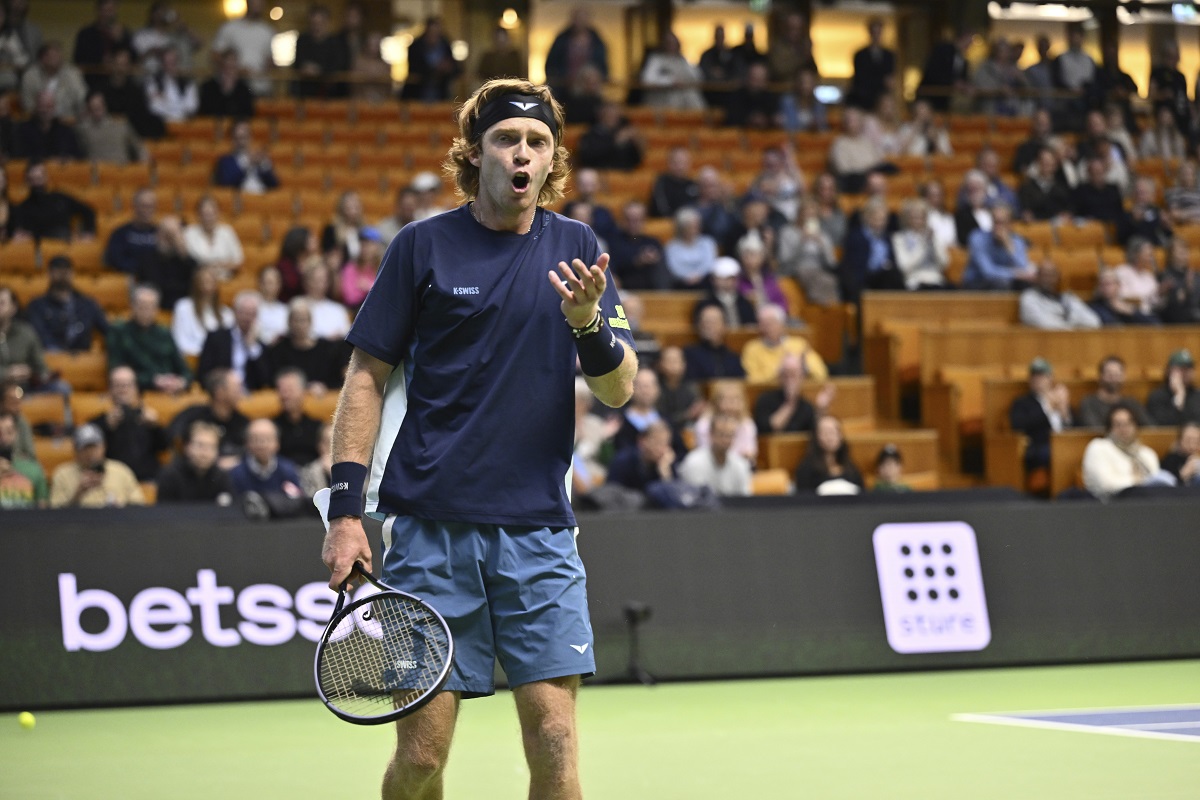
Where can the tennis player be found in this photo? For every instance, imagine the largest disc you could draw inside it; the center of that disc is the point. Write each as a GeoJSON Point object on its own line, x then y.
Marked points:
{"type": "Point", "coordinates": [461, 384]}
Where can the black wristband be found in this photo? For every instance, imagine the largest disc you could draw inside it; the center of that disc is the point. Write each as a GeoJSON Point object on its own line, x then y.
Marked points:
{"type": "Point", "coordinates": [346, 488]}
{"type": "Point", "coordinates": [599, 352]}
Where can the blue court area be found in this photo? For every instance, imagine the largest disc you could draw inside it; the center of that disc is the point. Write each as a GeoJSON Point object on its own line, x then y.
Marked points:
{"type": "Point", "coordinates": [1161, 722]}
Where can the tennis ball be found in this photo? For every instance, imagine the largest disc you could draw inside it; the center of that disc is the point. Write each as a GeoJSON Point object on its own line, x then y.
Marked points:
{"type": "Point", "coordinates": [27, 720]}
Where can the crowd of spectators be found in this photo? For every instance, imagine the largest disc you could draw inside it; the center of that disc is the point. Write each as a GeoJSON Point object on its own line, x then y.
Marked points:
{"type": "Point", "coordinates": [835, 233]}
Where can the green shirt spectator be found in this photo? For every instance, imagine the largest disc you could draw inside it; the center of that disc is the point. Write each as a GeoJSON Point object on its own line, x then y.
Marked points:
{"type": "Point", "coordinates": [22, 481]}
{"type": "Point", "coordinates": [21, 358]}
{"type": "Point", "coordinates": [147, 347]}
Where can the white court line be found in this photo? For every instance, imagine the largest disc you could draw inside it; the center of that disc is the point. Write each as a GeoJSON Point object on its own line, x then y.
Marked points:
{"type": "Point", "coordinates": [1017, 722]}
{"type": "Point", "coordinates": [1154, 726]}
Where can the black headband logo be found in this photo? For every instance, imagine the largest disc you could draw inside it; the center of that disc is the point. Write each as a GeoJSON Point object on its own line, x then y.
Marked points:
{"type": "Point", "coordinates": [513, 105]}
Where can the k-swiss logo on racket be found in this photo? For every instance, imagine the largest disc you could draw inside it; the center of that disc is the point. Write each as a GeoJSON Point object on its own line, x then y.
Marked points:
{"type": "Point", "coordinates": [931, 587]}
{"type": "Point", "coordinates": [410, 664]}
{"type": "Point", "coordinates": [523, 106]}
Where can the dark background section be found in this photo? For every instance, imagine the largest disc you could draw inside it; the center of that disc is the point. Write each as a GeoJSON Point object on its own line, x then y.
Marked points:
{"type": "Point", "coordinates": [740, 592]}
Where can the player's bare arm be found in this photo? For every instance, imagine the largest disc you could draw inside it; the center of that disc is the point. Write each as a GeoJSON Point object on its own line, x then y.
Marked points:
{"type": "Point", "coordinates": [581, 286]}
{"type": "Point", "coordinates": [355, 426]}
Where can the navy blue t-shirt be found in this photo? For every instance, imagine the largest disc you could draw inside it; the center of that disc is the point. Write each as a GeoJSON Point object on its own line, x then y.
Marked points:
{"type": "Point", "coordinates": [478, 417]}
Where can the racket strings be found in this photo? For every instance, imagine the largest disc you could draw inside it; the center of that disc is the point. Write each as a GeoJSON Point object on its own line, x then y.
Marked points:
{"type": "Point", "coordinates": [384, 659]}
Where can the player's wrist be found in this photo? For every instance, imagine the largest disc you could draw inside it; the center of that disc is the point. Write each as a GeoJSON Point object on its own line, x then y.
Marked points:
{"type": "Point", "coordinates": [591, 328]}
{"type": "Point", "coordinates": [346, 481]}
{"type": "Point", "coordinates": [600, 352]}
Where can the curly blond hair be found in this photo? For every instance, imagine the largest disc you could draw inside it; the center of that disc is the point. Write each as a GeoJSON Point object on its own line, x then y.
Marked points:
{"type": "Point", "coordinates": [465, 175]}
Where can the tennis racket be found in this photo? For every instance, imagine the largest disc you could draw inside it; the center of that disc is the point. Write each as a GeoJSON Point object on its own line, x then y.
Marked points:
{"type": "Point", "coordinates": [382, 656]}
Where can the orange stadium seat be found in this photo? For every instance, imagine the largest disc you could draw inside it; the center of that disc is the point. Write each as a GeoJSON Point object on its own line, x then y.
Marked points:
{"type": "Point", "coordinates": [333, 111]}
{"type": "Point", "coordinates": [83, 371]}
{"type": "Point", "coordinates": [332, 156]}
{"type": "Point", "coordinates": [101, 198]}
{"type": "Point", "coordinates": [316, 132]}
{"type": "Point", "coordinates": [18, 257]}
{"type": "Point", "coordinates": [44, 408]}
{"type": "Point", "coordinates": [377, 114]}
{"type": "Point", "coordinates": [251, 229]}
{"type": "Point", "coordinates": [276, 108]}
{"type": "Point", "coordinates": [168, 406]}
{"type": "Point", "coordinates": [274, 204]}
{"type": "Point", "coordinates": [170, 151]}
{"type": "Point", "coordinates": [68, 175]}
{"type": "Point", "coordinates": [1090, 233]}
{"type": "Point", "coordinates": [261, 404]}
{"type": "Point", "coordinates": [109, 289]}
{"type": "Point", "coordinates": [131, 175]}
{"type": "Point", "coordinates": [51, 452]}
{"type": "Point", "coordinates": [1040, 234]}
{"type": "Point", "coordinates": [87, 256]}
{"type": "Point", "coordinates": [321, 408]}
{"type": "Point", "coordinates": [25, 287]}
{"type": "Point", "coordinates": [86, 406]}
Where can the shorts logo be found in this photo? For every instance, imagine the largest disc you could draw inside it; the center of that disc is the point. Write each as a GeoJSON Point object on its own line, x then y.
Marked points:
{"type": "Point", "coordinates": [466, 290]}
{"type": "Point", "coordinates": [580, 648]}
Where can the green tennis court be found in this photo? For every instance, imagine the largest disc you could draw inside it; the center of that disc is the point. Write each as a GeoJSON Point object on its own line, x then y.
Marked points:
{"type": "Point", "coordinates": [877, 736]}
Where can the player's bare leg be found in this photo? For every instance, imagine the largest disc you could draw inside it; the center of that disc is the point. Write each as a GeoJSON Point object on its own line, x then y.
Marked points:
{"type": "Point", "coordinates": [547, 713]}
{"type": "Point", "coordinates": [422, 749]}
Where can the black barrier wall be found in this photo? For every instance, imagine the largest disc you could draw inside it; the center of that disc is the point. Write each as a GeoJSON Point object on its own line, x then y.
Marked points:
{"type": "Point", "coordinates": [149, 605]}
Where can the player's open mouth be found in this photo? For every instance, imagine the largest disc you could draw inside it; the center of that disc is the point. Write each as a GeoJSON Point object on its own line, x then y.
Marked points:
{"type": "Point", "coordinates": [520, 181]}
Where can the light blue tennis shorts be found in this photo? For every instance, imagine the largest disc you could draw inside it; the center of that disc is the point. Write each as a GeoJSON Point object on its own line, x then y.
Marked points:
{"type": "Point", "coordinates": [516, 594]}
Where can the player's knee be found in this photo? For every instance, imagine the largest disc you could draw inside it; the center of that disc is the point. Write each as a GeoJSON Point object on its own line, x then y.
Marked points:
{"type": "Point", "coordinates": [550, 743]}
{"type": "Point", "coordinates": [417, 766]}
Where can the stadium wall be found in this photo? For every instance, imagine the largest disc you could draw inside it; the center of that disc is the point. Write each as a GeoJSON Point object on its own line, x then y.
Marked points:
{"type": "Point", "coordinates": [186, 604]}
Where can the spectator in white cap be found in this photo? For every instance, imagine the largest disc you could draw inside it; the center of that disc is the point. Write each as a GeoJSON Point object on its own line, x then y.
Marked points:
{"type": "Point", "coordinates": [428, 187]}
{"type": "Point", "coordinates": [738, 310]}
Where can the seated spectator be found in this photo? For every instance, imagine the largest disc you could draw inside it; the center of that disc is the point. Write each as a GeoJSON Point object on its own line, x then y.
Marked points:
{"type": "Point", "coordinates": [716, 464]}
{"type": "Point", "coordinates": [785, 410]}
{"type": "Point", "coordinates": [710, 357]}
{"type": "Point", "coordinates": [759, 218]}
{"type": "Point", "coordinates": [867, 259]}
{"type": "Point", "coordinates": [670, 81]}
{"type": "Point", "coordinates": [11, 395]}
{"type": "Point", "coordinates": [1097, 198]}
{"type": "Point", "coordinates": [63, 81]}
{"type": "Point", "coordinates": [736, 309]}
{"type": "Point", "coordinates": [987, 164]}
{"type": "Point", "coordinates": [298, 246]}
{"type": "Point", "coordinates": [135, 243]}
{"type": "Point", "coordinates": [1110, 390]}
{"type": "Point", "coordinates": [298, 432]}
{"type": "Point", "coordinates": [1138, 277]}
{"type": "Point", "coordinates": [245, 168]}
{"type": "Point", "coordinates": [647, 343]}
{"type": "Point", "coordinates": [1117, 461]}
{"type": "Point", "coordinates": [65, 319]}
{"type": "Point", "coordinates": [828, 460]}
{"type": "Point", "coordinates": [45, 214]}
{"type": "Point", "coordinates": [638, 261]}
{"type": "Point", "coordinates": [262, 470]}
{"type": "Point", "coordinates": [1112, 308]}
{"type": "Point", "coordinates": [833, 219]}
{"type": "Point", "coordinates": [876, 190]}
{"type": "Point", "coordinates": [225, 391]}
{"type": "Point", "coordinates": [323, 361]}
{"type": "Point", "coordinates": [15, 52]}
{"type": "Point", "coordinates": [226, 93]}
{"type": "Point", "coordinates": [1163, 140]}
{"type": "Point", "coordinates": [679, 400]}
{"type": "Point", "coordinates": [806, 254]}
{"type": "Point", "coordinates": [941, 222]}
{"type": "Point", "coordinates": [882, 124]}
{"type": "Point", "coordinates": [924, 134]}
{"type": "Point", "coordinates": [167, 266]}
{"type": "Point", "coordinates": [199, 314]}
{"type": "Point", "coordinates": [239, 347]}
{"type": "Point", "coordinates": [318, 473]}
{"type": "Point", "coordinates": [91, 480]}
{"type": "Point", "coordinates": [22, 481]}
{"type": "Point", "coordinates": [691, 254]}
{"type": "Point", "coordinates": [641, 411]}
{"type": "Point", "coordinates": [780, 182]}
{"type": "Point", "coordinates": [1044, 194]}
{"type": "Point", "coordinates": [757, 281]}
{"type": "Point", "coordinates": [330, 319]}
{"type": "Point", "coordinates": [1183, 197]}
{"type": "Point", "coordinates": [211, 242]}
{"type": "Point", "coordinates": [428, 187]}
{"type": "Point", "coordinates": [272, 314]}
{"type": "Point", "coordinates": [193, 475]}
{"type": "Point", "coordinates": [44, 135]}
{"type": "Point", "coordinates": [753, 105]}
{"type": "Point", "coordinates": [728, 398]}
{"type": "Point", "coordinates": [714, 204]}
{"type": "Point", "coordinates": [170, 94]}
{"type": "Point", "coordinates": [1183, 460]}
{"type": "Point", "coordinates": [921, 258]}
{"type": "Point", "coordinates": [674, 188]}
{"type": "Point", "coordinates": [96, 42]}
{"type": "Point", "coordinates": [105, 138]}
{"type": "Point", "coordinates": [21, 359]}
{"type": "Point", "coordinates": [651, 460]}
{"type": "Point", "coordinates": [972, 213]}
{"type": "Point", "coordinates": [612, 142]}
{"type": "Point", "coordinates": [761, 357]}
{"type": "Point", "coordinates": [404, 212]}
{"type": "Point", "coordinates": [889, 471]}
{"type": "Point", "coordinates": [1180, 286]}
{"type": "Point", "coordinates": [1178, 400]}
{"type": "Point", "coordinates": [587, 192]}
{"type": "Point", "coordinates": [799, 110]}
{"type": "Point", "coordinates": [1045, 409]}
{"type": "Point", "coordinates": [147, 347]}
{"type": "Point", "coordinates": [593, 444]}
{"type": "Point", "coordinates": [581, 98]}
{"type": "Point", "coordinates": [1045, 306]}
{"type": "Point", "coordinates": [1041, 132]}
{"type": "Point", "coordinates": [853, 154]}
{"type": "Point", "coordinates": [125, 96]}
{"type": "Point", "coordinates": [1145, 220]}
{"type": "Point", "coordinates": [358, 274]}
{"type": "Point", "coordinates": [341, 238]}
{"type": "Point", "coordinates": [998, 258]}
{"type": "Point", "coordinates": [131, 431]}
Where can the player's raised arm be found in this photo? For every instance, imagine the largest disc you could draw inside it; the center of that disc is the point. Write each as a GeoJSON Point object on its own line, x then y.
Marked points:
{"type": "Point", "coordinates": [608, 364]}
{"type": "Point", "coordinates": [355, 426]}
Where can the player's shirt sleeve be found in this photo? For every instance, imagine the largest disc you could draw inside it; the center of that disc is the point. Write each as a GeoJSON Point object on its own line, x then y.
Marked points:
{"type": "Point", "coordinates": [384, 325]}
{"type": "Point", "coordinates": [610, 301]}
